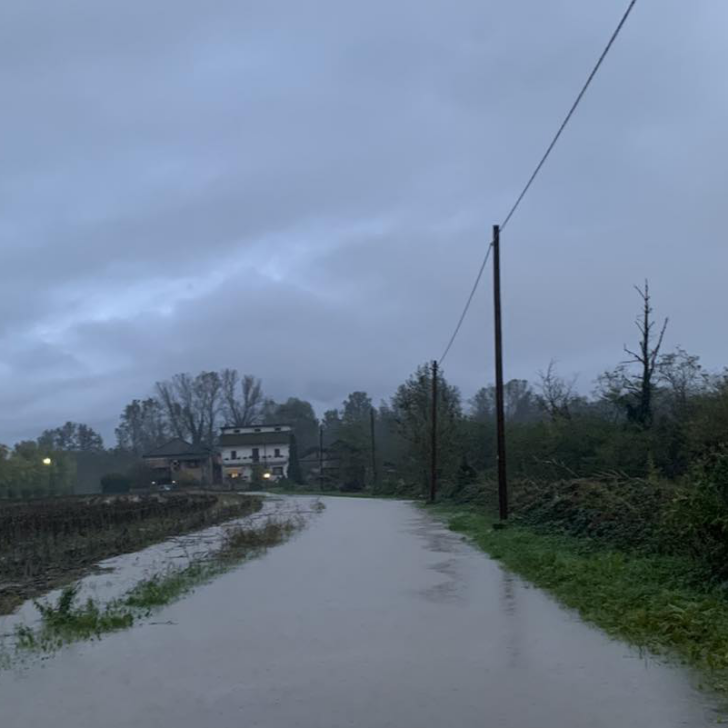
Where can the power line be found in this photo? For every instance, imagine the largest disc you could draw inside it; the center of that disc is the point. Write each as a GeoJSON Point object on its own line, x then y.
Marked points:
{"type": "Point", "coordinates": [539, 166]}
{"type": "Point", "coordinates": [570, 114]}
{"type": "Point", "coordinates": [467, 305]}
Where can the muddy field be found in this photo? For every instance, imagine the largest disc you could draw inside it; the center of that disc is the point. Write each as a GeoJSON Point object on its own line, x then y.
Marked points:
{"type": "Point", "coordinates": [44, 544]}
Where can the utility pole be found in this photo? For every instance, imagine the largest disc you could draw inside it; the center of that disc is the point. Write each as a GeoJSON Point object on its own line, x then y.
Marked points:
{"type": "Point", "coordinates": [433, 464]}
{"type": "Point", "coordinates": [374, 450]}
{"type": "Point", "coordinates": [499, 407]}
{"type": "Point", "coordinates": [321, 457]}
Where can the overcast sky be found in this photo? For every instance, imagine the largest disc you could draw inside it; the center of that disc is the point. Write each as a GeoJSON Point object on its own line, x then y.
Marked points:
{"type": "Point", "coordinates": [304, 190]}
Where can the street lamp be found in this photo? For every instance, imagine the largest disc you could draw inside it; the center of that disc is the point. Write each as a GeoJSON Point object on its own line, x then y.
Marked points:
{"type": "Point", "coordinates": [51, 475]}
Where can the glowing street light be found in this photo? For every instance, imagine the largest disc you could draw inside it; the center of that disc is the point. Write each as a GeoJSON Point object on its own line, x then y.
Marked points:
{"type": "Point", "coordinates": [266, 476]}
{"type": "Point", "coordinates": [47, 461]}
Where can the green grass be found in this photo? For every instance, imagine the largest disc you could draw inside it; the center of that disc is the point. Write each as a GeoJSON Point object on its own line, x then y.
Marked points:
{"type": "Point", "coordinates": [66, 621]}
{"type": "Point", "coordinates": [659, 603]}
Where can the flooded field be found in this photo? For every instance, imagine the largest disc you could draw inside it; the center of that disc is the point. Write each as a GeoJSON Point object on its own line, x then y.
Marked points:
{"type": "Point", "coordinates": [112, 578]}
{"type": "Point", "coordinates": [373, 616]}
{"type": "Point", "coordinates": [47, 543]}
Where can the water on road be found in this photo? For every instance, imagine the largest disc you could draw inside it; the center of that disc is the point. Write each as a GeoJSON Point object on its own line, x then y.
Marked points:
{"type": "Point", "coordinates": [375, 616]}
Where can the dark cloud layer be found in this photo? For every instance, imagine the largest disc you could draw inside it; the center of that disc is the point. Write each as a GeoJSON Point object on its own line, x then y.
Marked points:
{"type": "Point", "coordinates": [304, 190]}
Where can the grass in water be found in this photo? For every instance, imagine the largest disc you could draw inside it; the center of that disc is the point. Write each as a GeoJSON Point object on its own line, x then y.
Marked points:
{"type": "Point", "coordinates": [67, 621]}
{"type": "Point", "coordinates": [658, 603]}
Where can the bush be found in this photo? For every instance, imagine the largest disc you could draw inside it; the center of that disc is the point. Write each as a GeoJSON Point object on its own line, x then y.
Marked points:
{"type": "Point", "coordinates": [115, 483]}
{"type": "Point", "coordinates": [697, 520]}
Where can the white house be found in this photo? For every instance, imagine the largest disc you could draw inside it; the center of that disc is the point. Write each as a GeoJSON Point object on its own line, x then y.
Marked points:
{"type": "Point", "coordinates": [266, 448]}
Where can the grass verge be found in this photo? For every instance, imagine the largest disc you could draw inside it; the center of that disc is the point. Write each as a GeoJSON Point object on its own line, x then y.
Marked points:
{"type": "Point", "coordinates": [658, 603]}
{"type": "Point", "coordinates": [68, 621]}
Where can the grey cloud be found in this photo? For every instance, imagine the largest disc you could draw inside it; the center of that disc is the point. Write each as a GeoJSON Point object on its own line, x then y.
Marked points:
{"type": "Point", "coordinates": [305, 190]}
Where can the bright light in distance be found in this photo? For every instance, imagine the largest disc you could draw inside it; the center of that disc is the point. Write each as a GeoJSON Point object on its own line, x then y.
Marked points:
{"type": "Point", "coordinates": [47, 461]}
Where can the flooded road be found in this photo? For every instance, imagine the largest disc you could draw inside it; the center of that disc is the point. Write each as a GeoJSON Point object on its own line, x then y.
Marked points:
{"type": "Point", "coordinates": [374, 616]}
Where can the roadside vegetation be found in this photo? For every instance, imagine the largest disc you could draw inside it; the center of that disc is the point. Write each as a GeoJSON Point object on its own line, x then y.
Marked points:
{"type": "Point", "coordinates": [67, 620]}
{"type": "Point", "coordinates": [46, 543]}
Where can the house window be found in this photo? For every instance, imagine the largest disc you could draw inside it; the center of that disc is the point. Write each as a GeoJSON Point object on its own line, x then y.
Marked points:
{"type": "Point", "coordinates": [277, 452]}
{"type": "Point", "coordinates": [277, 471]}
{"type": "Point", "coordinates": [256, 454]}
{"type": "Point", "coordinates": [233, 454]}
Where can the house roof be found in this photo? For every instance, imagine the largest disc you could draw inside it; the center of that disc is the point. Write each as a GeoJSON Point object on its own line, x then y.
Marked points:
{"type": "Point", "coordinates": [178, 448]}
{"type": "Point", "coordinates": [256, 438]}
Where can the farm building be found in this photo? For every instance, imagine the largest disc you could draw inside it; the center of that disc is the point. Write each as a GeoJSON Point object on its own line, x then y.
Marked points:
{"type": "Point", "coordinates": [177, 462]}
{"type": "Point", "coordinates": [258, 449]}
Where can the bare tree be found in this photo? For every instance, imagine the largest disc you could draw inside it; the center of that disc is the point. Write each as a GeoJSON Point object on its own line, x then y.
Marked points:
{"type": "Point", "coordinates": [555, 393]}
{"type": "Point", "coordinates": [646, 356]}
{"type": "Point", "coordinates": [192, 405]}
{"type": "Point", "coordinates": [242, 399]}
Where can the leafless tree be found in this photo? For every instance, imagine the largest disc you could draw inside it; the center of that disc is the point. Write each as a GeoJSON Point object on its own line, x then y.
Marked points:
{"type": "Point", "coordinates": [192, 405]}
{"type": "Point", "coordinates": [242, 399]}
{"type": "Point", "coordinates": [642, 386]}
{"type": "Point", "coordinates": [555, 393]}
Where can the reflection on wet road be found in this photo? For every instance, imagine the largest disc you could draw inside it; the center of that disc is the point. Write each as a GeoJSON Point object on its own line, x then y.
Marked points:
{"type": "Point", "coordinates": [374, 616]}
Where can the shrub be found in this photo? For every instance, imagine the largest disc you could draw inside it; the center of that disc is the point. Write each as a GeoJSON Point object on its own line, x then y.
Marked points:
{"type": "Point", "coordinates": [697, 520]}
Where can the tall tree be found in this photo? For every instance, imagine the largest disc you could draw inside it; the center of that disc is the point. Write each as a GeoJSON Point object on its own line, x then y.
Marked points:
{"type": "Point", "coordinates": [520, 404]}
{"type": "Point", "coordinates": [72, 437]}
{"type": "Point", "coordinates": [482, 404]}
{"type": "Point", "coordinates": [355, 420]}
{"type": "Point", "coordinates": [331, 423]}
{"type": "Point", "coordinates": [682, 377]}
{"type": "Point", "coordinates": [646, 358]}
{"type": "Point", "coordinates": [192, 406]}
{"type": "Point", "coordinates": [142, 426]}
{"type": "Point", "coordinates": [242, 398]}
{"type": "Point", "coordinates": [299, 414]}
{"type": "Point", "coordinates": [633, 391]}
{"type": "Point", "coordinates": [556, 394]}
{"type": "Point", "coordinates": [412, 406]}
{"type": "Point", "coordinates": [356, 433]}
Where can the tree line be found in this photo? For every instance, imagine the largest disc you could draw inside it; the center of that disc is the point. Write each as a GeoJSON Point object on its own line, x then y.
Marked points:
{"type": "Point", "coordinates": [651, 415]}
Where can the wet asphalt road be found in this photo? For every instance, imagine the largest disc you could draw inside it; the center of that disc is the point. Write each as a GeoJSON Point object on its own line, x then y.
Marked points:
{"type": "Point", "coordinates": [374, 616]}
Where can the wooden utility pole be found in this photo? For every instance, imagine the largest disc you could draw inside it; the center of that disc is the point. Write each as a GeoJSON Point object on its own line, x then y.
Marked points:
{"type": "Point", "coordinates": [499, 406]}
{"type": "Point", "coordinates": [321, 457]}
{"type": "Point", "coordinates": [374, 449]}
{"type": "Point", "coordinates": [433, 464]}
